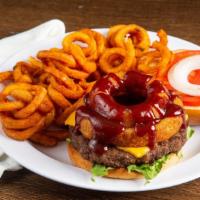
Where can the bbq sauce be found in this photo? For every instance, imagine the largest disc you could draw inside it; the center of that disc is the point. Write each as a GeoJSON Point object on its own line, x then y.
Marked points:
{"type": "Point", "coordinates": [109, 118]}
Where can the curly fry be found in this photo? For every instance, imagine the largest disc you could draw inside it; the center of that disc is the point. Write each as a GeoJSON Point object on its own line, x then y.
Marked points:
{"type": "Point", "coordinates": [74, 93]}
{"type": "Point", "coordinates": [22, 95]}
{"type": "Point", "coordinates": [20, 73]}
{"type": "Point", "coordinates": [63, 57]}
{"type": "Point", "coordinates": [58, 98]}
{"type": "Point", "coordinates": [49, 118]}
{"type": "Point", "coordinates": [87, 85]}
{"type": "Point", "coordinates": [138, 35]}
{"type": "Point", "coordinates": [156, 62]}
{"type": "Point", "coordinates": [127, 54]}
{"type": "Point", "coordinates": [85, 64]}
{"type": "Point", "coordinates": [40, 94]}
{"type": "Point", "coordinates": [58, 134]}
{"type": "Point", "coordinates": [100, 42]}
{"type": "Point", "coordinates": [11, 106]}
{"type": "Point", "coordinates": [61, 76]}
{"type": "Point", "coordinates": [46, 105]}
{"type": "Point", "coordinates": [11, 123]}
{"type": "Point", "coordinates": [4, 76]}
{"type": "Point", "coordinates": [80, 37]}
{"type": "Point", "coordinates": [24, 134]}
{"type": "Point", "coordinates": [35, 64]}
{"type": "Point", "coordinates": [71, 72]}
{"type": "Point", "coordinates": [111, 33]}
{"type": "Point", "coordinates": [42, 139]}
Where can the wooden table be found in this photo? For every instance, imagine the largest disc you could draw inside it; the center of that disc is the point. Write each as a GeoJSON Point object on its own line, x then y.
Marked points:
{"type": "Point", "coordinates": [179, 18]}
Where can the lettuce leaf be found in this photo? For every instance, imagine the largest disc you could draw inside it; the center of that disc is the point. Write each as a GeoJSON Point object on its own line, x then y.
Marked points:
{"type": "Point", "coordinates": [190, 132]}
{"type": "Point", "coordinates": [149, 171]}
{"type": "Point", "coordinates": [68, 140]}
{"type": "Point", "coordinates": [100, 170]}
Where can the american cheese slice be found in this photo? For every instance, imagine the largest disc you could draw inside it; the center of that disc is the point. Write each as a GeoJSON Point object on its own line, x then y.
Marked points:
{"type": "Point", "coordinates": [71, 119]}
{"type": "Point", "coordinates": [138, 152]}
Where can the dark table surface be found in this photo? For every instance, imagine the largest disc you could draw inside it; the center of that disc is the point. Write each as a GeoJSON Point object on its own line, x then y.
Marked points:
{"type": "Point", "coordinates": [177, 17]}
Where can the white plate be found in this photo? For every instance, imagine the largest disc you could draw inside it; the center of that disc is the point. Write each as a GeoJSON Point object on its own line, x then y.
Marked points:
{"type": "Point", "coordinates": [53, 163]}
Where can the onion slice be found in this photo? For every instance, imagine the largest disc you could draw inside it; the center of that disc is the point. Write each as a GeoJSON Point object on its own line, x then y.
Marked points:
{"type": "Point", "coordinates": [178, 75]}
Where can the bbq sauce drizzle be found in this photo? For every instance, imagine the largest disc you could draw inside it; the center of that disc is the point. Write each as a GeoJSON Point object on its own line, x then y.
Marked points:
{"type": "Point", "coordinates": [110, 118]}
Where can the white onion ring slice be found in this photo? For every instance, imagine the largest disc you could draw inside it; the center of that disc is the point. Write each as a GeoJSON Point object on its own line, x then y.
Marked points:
{"type": "Point", "coordinates": [178, 75]}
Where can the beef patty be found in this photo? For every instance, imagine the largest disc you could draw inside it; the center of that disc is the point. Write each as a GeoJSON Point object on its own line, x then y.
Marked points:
{"type": "Point", "coordinates": [116, 158]}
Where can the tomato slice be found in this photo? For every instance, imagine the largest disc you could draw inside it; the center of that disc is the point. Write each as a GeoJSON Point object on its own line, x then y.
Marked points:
{"type": "Point", "coordinates": [193, 78]}
{"type": "Point", "coordinates": [190, 100]}
{"type": "Point", "coordinates": [183, 54]}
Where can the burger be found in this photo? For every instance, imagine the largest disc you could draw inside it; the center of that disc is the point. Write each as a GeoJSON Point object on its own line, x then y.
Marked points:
{"type": "Point", "coordinates": [127, 128]}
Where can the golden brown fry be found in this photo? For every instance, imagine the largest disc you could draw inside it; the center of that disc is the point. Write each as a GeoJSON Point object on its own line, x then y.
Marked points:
{"type": "Point", "coordinates": [24, 134]}
{"type": "Point", "coordinates": [46, 105]}
{"type": "Point", "coordinates": [127, 55]}
{"type": "Point", "coordinates": [44, 140]}
{"type": "Point", "coordinates": [22, 95]}
{"type": "Point", "coordinates": [74, 73]}
{"type": "Point", "coordinates": [40, 94]}
{"type": "Point", "coordinates": [58, 98]}
{"type": "Point", "coordinates": [58, 134]}
{"type": "Point", "coordinates": [60, 76]}
{"type": "Point", "coordinates": [100, 43]}
{"type": "Point", "coordinates": [137, 34]}
{"type": "Point", "coordinates": [35, 64]}
{"type": "Point", "coordinates": [74, 93]}
{"type": "Point", "coordinates": [49, 118]}
{"type": "Point", "coordinates": [63, 57]}
{"type": "Point", "coordinates": [10, 106]}
{"type": "Point", "coordinates": [156, 62]}
{"type": "Point", "coordinates": [20, 73]}
{"type": "Point", "coordinates": [11, 123]}
{"type": "Point", "coordinates": [87, 85]}
{"type": "Point", "coordinates": [80, 37]}
{"type": "Point", "coordinates": [111, 33]}
{"type": "Point", "coordinates": [87, 65]}
{"type": "Point", "coordinates": [5, 76]}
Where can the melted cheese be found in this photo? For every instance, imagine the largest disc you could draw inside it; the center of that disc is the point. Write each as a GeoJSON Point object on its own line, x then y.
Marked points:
{"type": "Point", "coordinates": [138, 152]}
{"type": "Point", "coordinates": [71, 119]}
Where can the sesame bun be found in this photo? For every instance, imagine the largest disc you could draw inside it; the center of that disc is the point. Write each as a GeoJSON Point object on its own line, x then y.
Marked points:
{"type": "Point", "coordinates": [118, 173]}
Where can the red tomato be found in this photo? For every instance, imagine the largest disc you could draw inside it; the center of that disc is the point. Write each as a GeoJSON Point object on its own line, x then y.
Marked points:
{"type": "Point", "coordinates": [194, 76]}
